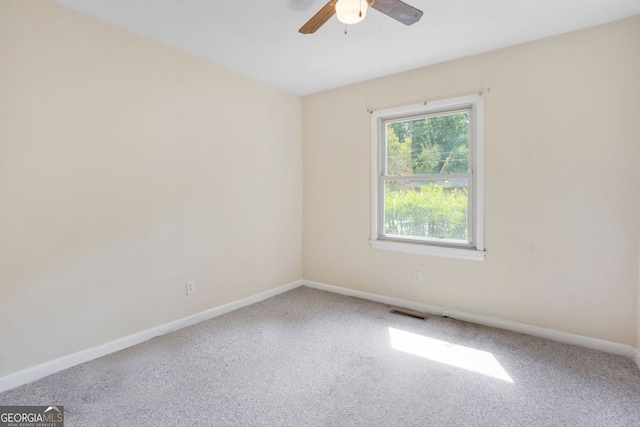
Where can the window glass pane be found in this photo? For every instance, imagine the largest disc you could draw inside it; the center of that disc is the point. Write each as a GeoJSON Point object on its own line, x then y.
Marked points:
{"type": "Point", "coordinates": [433, 209]}
{"type": "Point", "coordinates": [428, 145]}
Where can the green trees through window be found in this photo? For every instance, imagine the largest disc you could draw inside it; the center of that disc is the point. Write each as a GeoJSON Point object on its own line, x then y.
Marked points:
{"type": "Point", "coordinates": [427, 177]}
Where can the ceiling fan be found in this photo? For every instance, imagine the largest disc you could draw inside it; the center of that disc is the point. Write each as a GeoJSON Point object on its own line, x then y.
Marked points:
{"type": "Point", "coordinates": [354, 11]}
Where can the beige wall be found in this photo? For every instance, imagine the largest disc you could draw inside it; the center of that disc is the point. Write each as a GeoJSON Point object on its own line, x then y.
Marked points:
{"type": "Point", "coordinates": [562, 185]}
{"type": "Point", "coordinates": [126, 169]}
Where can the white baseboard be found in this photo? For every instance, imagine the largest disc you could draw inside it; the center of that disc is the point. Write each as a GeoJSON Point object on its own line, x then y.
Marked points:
{"type": "Point", "coordinates": [509, 325]}
{"type": "Point", "coordinates": [40, 371]}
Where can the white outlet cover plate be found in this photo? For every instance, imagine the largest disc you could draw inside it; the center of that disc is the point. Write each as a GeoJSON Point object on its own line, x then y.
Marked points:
{"type": "Point", "coordinates": [191, 288]}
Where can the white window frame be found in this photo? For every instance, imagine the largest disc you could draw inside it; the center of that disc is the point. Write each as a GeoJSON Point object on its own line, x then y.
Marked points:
{"type": "Point", "coordinates": [473, 251]}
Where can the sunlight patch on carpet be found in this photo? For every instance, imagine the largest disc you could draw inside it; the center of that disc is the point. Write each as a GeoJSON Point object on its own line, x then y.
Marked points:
{"type": "Point", "coordinates": [467, 358]}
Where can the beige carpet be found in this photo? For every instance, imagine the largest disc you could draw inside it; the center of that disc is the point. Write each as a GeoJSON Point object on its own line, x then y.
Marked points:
{"type": "Point", "coordinates": [311, 358]}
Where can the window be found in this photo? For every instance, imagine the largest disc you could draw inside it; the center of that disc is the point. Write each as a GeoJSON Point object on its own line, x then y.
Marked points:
{"type": "Point", "coordinates": [427, 178]}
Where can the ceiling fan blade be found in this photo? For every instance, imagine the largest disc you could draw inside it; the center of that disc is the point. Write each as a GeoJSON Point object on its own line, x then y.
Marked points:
{"type": "Point", "coordinates": [398, 10]}
{"type": "Point", "coordinates": [318, 20]}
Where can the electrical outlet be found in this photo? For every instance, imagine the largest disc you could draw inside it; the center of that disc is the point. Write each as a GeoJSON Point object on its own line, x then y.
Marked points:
{"type": "Point", "coordinates": [417, 276]}
{"type": "Point", "coordinates": [445, 312]}
{"type": "Point", "coordinates": [191, 288]}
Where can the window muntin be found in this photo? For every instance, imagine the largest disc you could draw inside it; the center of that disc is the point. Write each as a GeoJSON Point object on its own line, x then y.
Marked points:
{"type": "Point", "coordinates": [427, 188]}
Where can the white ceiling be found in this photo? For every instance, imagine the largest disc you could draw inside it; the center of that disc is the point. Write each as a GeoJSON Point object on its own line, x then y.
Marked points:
{"type": "Point", "coordinates": [260, 38]}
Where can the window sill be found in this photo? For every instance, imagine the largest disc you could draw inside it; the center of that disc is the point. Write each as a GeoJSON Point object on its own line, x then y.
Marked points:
{"type": "Point", "coordinates": [421, 249]}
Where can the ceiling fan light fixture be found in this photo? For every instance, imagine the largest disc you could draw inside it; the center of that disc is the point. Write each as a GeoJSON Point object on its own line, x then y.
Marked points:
{"type": "Point", "coordinates": [351, 12]}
